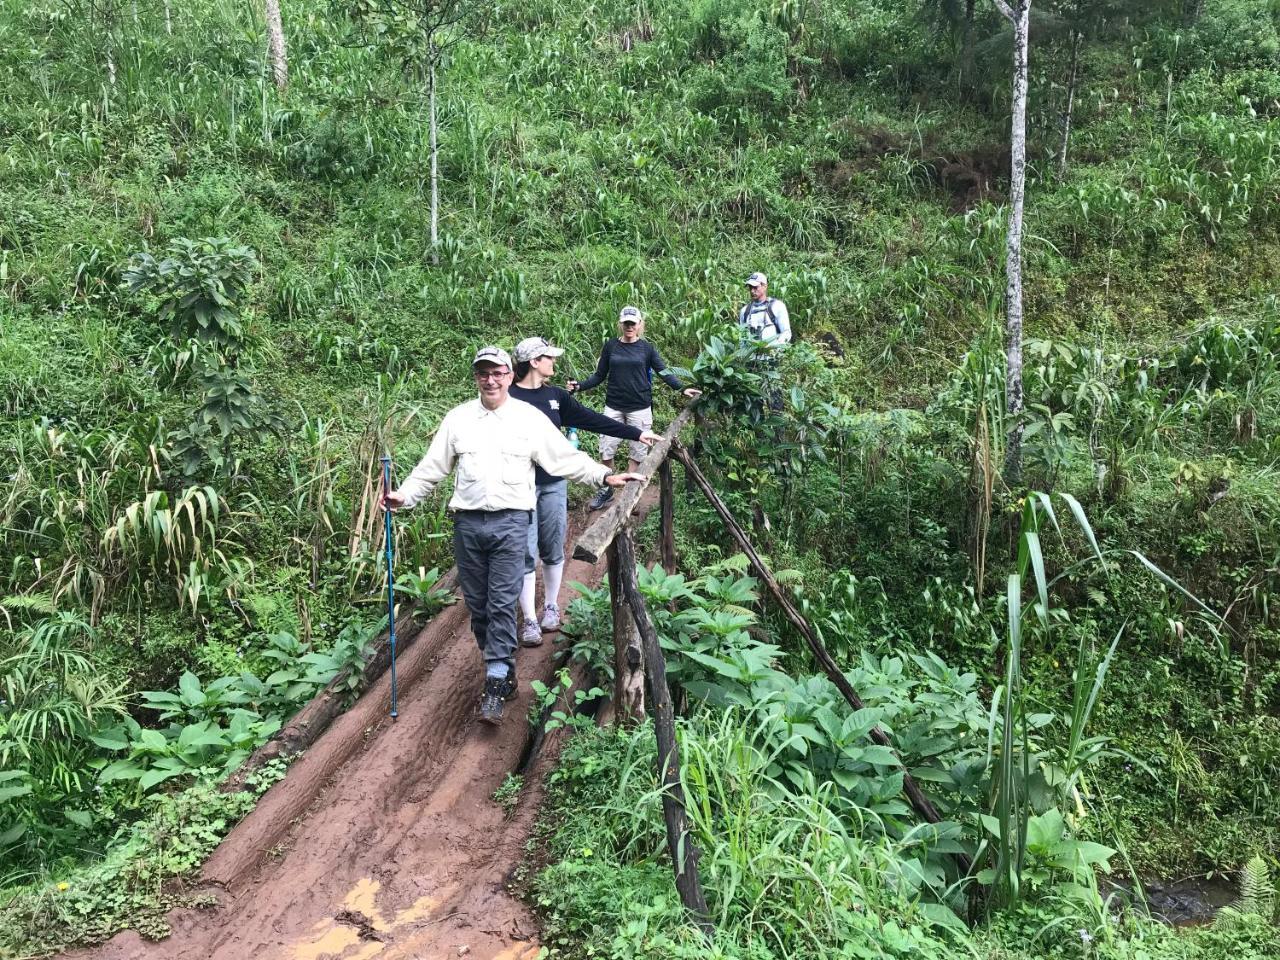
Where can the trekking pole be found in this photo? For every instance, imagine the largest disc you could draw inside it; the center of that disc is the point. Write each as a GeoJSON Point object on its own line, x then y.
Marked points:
{"type": "Point", "coordinates": [391, 582]}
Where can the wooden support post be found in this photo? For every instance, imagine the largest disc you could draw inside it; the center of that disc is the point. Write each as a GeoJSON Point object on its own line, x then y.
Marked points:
{"type": "Point", "coordinates": [684, 853]}
{"type": "Point", "coordinates": [667, 517]}
{"type": "Point", "coordinates": [595, 540]}
{"type": "Point", "coordinates": [628, 655]}
{"type": "Point", "coordinates": [919, 801]}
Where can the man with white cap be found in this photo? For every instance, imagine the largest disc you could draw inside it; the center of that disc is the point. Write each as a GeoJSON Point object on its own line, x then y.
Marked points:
{"type": "Point", "coordinates": [494, 442]}
{"type": "Point", "coordinates": [765, 318]}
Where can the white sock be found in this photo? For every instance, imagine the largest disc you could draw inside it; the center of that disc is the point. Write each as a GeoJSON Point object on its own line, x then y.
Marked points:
{"type": "Point", "coordinates": [552, 574]}
{"type": "Point", "coordinates": [526, 597]}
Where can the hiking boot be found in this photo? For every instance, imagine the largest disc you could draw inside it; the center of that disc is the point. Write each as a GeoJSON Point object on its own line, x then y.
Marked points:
{"type": "Point", "coordinates": [530, 635]}
{"type": "Point", "coordinates": [495, 689]}
{"type": "Point", "coordinates": [509, 686]}
{"type": "Point", "coordinates": [601, 499]}
{"type": "Point", "coordinates": [550, 618]}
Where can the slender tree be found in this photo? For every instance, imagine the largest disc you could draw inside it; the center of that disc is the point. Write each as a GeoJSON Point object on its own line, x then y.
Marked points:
{"type": "Point", "coordinates": [1018, 13]}
{"type": "Point", "coordinates": [1073, 76]}
{"type": "Point", "coordinates": [276, 53]}
{"type": "Point", "coordinates": [419, 33]}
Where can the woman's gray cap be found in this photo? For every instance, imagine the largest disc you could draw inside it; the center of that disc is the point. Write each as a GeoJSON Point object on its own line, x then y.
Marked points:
{"type": "Point", "coordinates": [531, 348]}
{"type": "Point", "coordinates": [492, 355]}
{"type": "Point", "coordinates": [630, 313]}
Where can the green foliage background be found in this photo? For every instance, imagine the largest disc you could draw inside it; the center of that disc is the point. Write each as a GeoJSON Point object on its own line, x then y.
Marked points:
{"type": "Point", "coordinates": [594, 154]}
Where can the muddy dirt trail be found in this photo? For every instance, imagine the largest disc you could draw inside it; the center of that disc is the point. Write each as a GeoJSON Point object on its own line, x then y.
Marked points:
{"type": "Point", "coordinates": [384, 840]}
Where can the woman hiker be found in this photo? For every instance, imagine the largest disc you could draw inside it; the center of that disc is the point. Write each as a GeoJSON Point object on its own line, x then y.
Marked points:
{"type": "Point", "coordinates": [535, 366]}
{"type": "Point", "coordinates": [628, 362]}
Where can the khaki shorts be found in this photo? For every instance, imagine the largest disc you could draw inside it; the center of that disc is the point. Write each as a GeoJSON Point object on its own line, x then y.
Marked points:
{"type": "Point", "coordinates": [635, 418]}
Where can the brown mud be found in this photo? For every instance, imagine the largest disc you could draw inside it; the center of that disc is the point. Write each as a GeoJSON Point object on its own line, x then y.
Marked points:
{"type": "Point", "coordinates": [384, 839]}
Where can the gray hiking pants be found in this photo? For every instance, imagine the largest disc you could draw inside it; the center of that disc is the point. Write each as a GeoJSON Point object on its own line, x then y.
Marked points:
{"type": "Point", "coordinates": [489, 548]}
{"type": "Point", "coordinates": [550, 525]}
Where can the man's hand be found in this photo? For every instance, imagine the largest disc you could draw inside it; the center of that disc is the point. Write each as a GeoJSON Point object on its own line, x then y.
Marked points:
{"type": "Point", "coordinates": [392, 501]}
{"type": "Point", "coordinates": [650, 438]}
{"type": "Point", "coordinates": [692, 392]}
{"type": "Point", "coordinates": [620, 479]}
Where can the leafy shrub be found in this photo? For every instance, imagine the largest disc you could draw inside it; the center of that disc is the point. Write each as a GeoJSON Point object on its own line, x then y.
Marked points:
{"type": "Point", "coordinates": [748, 86]}
{"type": "Point", "coordinates": [133, 884]}
{"type": "Point", "coordinates": [198, 286]}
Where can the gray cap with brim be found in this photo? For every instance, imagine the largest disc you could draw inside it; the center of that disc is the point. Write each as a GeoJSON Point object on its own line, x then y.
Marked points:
{"type": "Point", "coordinates": [492, 355]}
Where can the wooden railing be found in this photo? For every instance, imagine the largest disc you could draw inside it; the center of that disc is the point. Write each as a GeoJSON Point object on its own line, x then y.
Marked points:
{"type": "Point", "coordinates": [638, 654]}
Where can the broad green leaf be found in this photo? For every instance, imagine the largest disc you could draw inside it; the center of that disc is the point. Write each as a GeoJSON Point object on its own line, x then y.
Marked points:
{"type": "Point", "coordinates": [153, 740]}
{"type": "Point", "coordinates": [21, 790]}
{"type": "Point", "coordinates": [189, 685]}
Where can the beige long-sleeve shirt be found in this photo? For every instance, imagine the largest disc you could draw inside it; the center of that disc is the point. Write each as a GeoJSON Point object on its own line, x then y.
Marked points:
{"type": "Point", "coordinates": [494, 452]}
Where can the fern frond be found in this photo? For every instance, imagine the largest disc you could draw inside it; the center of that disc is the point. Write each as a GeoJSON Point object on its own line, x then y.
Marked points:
{"type": "Point", "coordinates": [1257, 891]}
{"type": "Point", "coordinates": [39, 602]}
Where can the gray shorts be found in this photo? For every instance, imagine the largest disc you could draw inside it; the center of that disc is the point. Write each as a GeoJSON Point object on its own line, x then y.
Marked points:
{"type": "Point", "coordinates": [635, 418]}
{"type": "Point", "coordinates": [550, 525]}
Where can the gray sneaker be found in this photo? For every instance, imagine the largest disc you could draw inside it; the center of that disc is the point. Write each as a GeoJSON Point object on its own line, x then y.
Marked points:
{"type": "Point", "coordinates": [601, 499]}
{"type": "Point", "coordinates": [530, 634]}
{"type": "Point", "coordinates": [550, 618]}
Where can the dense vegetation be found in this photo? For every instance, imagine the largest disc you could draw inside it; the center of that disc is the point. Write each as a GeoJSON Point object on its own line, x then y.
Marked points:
{"type": "Point", "coordinates": [220, 302]}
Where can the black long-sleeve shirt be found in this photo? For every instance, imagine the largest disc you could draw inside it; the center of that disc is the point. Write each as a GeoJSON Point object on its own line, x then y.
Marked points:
{"type": "Point", "coordinates": [626, 367]}
{"type": "Point", "coordinates": [560, 407]}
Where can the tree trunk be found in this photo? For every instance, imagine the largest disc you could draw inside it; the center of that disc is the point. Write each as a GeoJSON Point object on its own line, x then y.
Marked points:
{"type": "Point", "coordinates": [1077, 40]}
{"type": "Point", "coordinates": [435, 160]}
{"type": "Point", "coordinates": [966, 51]}
{"type": "Point", "coordinates": [1019, 16]}
{"type": "Point", "coordinates": [1192, 11]}
{"type": "Point", "coordinates": [628, 656]}
{"type": "Point", "coordinates": [276, 54]}
{"type": "Point", "coordinates": [168, 19]}
{"type": "Point", "coordinates": [667, 518]}
{"type": "Point", "coordinates": [684, 852]}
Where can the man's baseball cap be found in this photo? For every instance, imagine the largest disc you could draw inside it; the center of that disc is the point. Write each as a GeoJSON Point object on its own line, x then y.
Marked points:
{"type": "Point", "coordinates": [630, 315]}
{"type": "Point", "coordinates": [531, 348]}
{"type": "Point", "coordinates": [757, 279]}
{"type": "Point", "coordinates": [492, 355]}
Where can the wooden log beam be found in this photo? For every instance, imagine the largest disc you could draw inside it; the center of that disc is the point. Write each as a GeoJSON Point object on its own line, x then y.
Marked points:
{"type": "Point", "coordinates": [684, 852]}
{"type": "Point", "coordinates": [628, 655]}
{"type": "Point", "coordinates": [595, 540]}
{"type": "Point", "coordinates": [667, 517]}
{"type": "Point", "coordinates": [919, 802]}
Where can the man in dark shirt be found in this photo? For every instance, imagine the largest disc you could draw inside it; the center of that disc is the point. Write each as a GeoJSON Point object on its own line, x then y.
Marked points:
{"type": "Point", "coordinates": [628, 363]}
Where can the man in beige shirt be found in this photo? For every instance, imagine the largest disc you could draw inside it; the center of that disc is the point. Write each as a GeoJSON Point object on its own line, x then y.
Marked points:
{"type": "Point", "coordinates": [494, 442]}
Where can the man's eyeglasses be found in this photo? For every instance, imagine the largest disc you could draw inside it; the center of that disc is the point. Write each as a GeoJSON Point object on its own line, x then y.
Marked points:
{"type": "Point", "coordinates": [491, 374]}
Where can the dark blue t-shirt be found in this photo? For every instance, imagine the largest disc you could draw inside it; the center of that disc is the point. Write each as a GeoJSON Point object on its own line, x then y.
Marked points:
{"type": "Point", "coordinates": [627, 366]}
{"type": "Point", "coordinates": [563, 410]}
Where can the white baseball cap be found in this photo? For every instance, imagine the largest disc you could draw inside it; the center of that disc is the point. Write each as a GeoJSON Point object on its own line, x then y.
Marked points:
{"type": "Point", "coordinates": [531, 348]}
{"type": "Point", "coordinates": [757, 279]}
{"type": "Point", "coordinates": [630, 313]}
{"type": "Point", "coordinates": [492, 355]}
